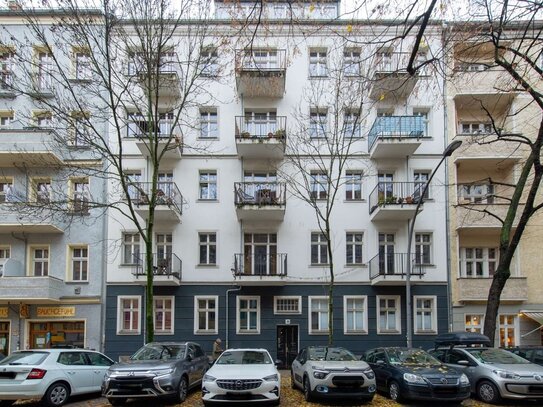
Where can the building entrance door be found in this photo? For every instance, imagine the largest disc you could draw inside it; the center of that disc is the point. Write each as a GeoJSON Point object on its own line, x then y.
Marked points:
{"type": "Point", "coordinates": [287, 344]}
{"type": "Point", "coordinates": [4, 338]}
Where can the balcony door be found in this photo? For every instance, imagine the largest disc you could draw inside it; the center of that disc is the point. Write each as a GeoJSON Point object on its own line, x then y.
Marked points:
{"type": "Point", "coordinates": [260, 185]}
{"type": "Point", "coordinates": [164, 250]}
{"type": "Point", "coordinates": [386, 253]}
{"type": "Point", "coordinates": [260, 124]}
{"type": "Point", "coordinates": [386, 186]}
{"type": "Point", "coordinates": [164, 187]}
{"type": "Point", "coordinates": [260, 254]}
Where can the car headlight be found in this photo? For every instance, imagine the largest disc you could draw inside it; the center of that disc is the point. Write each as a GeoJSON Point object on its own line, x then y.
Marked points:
{"type": "Point", "coordinates": [464, 379]}
{"type": "Point", "coordinates": [320, 374]}
{"type": "Point", "coordinates": [506, 375]}
{"type": "Point", "coordinates": [209, 378]}
{"type": "Point", "coordinates": [413, 378]}
{"type": "Point", "coordinates": [272, 378]}
{"type": "Point", "coordinates": [162, 372]}
{"type": "Point", "coordinates": [369, 373]}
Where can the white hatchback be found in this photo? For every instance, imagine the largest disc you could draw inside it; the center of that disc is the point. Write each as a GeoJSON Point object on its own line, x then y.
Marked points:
{"type": "Point", "coordinates": [242, 376]}
{"type": "Point", "coordinates": [51, 375]}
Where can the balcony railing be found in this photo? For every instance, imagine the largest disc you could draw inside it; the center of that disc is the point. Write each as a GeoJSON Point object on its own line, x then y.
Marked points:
{"type": "Point", "coordinates": [166, 193]}
{"type": "Point", "coordinates": [396, 193]}
{"type": "Point", "coordinates": [393, 264]}
{"type": "Point", "coordinates": [397, 127]}
{"type": "Point", "coordinates": [261, 265]}
{"type": "Point", "coordinates": [6, 79]}
{"type": "Point", "coordinates": [140, 129]}
{"type": "Point", "coordinates": [391, 62]}
{"type": "Point", "coordinates": [164, 264]}
{"type": "Point", "coordinates": [168, 64]}
{"type": "Point", "coordinates": [261, 60]}
{"type": "Point", "coordinates": [260, 193]}
{"type": "Point", "coordinates": [254, 128]}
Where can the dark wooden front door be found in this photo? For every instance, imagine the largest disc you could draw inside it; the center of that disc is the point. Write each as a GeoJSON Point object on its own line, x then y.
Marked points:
{"type": "Point", "coordinates": [287, 344]}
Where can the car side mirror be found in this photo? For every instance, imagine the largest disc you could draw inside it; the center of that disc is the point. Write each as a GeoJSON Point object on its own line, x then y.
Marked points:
{"type": "Point", "coordinates": [278, 362]}
{"type": "Point", "coordinates": [463, 363]}
{"type": "Point", "coordinates": [189, 357]}
{"type": "Point", "coordinates": [380, 362]}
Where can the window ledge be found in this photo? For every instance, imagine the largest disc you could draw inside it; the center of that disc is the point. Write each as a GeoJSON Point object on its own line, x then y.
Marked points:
{"type": "Point", "coordinates": [247, 333]}
{"type": "Point", "coordinates": [207, 266]}
{"type": "Point", "coordinates": [356, 333]}
{"type": "Point", "coordinates": [128, 333]}
{"type": "Point", "coordinates": [208, 138]}
{"type": "Point", "coordinates": [207, 200]}
{"type": "Point", "coordinates": [206, 333]}
{"type": "Point", "coordinates": [128, 265]}
{"type": "Point", "coordinates": [356, 265]}
{"type": "Point", "coordinates": [355, 200]}
{"type": "Point", "coordinates": [425, 332]}
{"type": "Point", "coordinates": [319, 265]}
{"type": "Point", "coordinates": [389, 333]}
{"type": "Point", "coordinates": [75, 282]}
{"type": "Point", "coordinates": [319, 333]}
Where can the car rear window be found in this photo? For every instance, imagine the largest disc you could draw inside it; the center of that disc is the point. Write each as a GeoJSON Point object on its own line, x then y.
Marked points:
{"type": "Point", "coordinates": [25, 358]}
{"type": "Point", "coordinates": [246, 357]}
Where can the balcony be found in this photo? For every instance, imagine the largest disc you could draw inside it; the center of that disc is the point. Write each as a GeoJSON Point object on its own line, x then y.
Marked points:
{"type": "Point", "coordinates": [261, 72]}
{"type": "Point", "coordinates": [390, 78]}
{"type": "Point", "coordinates": [6, 84]}
{"type": "Point", "coordinates": [16, 217]}
{"type": "Point", "coordinates": [29, 147]}
{"type": "Point", "coordinates": [42, 84]}
{"type": "Point", "coordinates": [396, 136]}
{"type": "Point", "coordinates": [167, 69]}
{"type": "Point", "coordinates": [167, 269]}
{"type": "Point", "coordinates": [394, 201]}
{"type": "Point", "coordinates": [165, 137]}
{"type": "Point", "coordinates": [391, 268]}
{"type": "Point", "coordinates": [30, 289]}
{"type": "Point", "coordinates": [261, 138]}
{"type": "Point", "coordinates": [260, 201]}
{"type": "Point", "coordinates": [260, 269]}
{"type": "Point", "coordinates": [483, 148]}
{"type": "Point", "coordinates": [480, 78]}
{"type": "Point", "coordinates": [168, 201]}
{"type": "Point", "coordinates": [476, 290]}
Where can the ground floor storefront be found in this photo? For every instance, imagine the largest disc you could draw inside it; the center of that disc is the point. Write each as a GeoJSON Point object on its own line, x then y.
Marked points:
{"type": "Point", "coordinates": [282, 319]}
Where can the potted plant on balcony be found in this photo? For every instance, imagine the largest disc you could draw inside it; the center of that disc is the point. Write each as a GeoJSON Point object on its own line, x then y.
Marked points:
{"type": "Point", "coordinates": [245, 134]}
{"type": "Point", "coordinates": [280, 133]}
{"type": "Point", "coordinates": [409, 200]}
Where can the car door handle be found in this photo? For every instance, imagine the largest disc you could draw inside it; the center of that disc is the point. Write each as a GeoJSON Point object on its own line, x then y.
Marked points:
{"type": "Point", "coordinates": [71, 372]}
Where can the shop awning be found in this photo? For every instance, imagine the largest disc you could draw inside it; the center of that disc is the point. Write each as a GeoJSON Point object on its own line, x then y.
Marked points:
{"type": "Point", "coordinates": [537, 316]}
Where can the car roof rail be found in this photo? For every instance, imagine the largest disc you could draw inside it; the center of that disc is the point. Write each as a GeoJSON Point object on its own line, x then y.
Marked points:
{"type": "Point", "coordinates": [461, 338]}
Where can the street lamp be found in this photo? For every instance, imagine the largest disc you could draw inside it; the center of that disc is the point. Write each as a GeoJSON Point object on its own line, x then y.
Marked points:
{"type": "Point", "coordinates": [446, 153]}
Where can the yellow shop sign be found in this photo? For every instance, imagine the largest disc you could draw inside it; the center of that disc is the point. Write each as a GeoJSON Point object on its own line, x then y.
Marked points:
{"type": "Point", "coordinates": [3, 312]}
{"type": "Point", "coordinates": [55, 312]}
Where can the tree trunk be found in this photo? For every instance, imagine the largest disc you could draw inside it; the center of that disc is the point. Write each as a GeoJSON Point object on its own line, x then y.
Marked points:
{"type": "Point", "coordinates": [493, 303]}
{"type": "Point", "coordinates": [149, 311]}
{"type": "Point", "coordinates": [330, 287]}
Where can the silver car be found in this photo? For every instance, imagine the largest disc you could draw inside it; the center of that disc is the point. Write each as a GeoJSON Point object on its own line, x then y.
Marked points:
{"type": "Point", "coordinates": [495, 373]}
{"type": "Point", "coordinates": [52, 375]}
{"type": "Point", "coordinates": [332, 372]}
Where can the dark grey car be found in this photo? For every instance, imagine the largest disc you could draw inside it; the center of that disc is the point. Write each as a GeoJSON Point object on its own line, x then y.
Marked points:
{"type": "Point", "coordinates": [159, 369]}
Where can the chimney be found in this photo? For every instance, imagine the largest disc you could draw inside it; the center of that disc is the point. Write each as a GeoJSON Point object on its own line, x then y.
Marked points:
{"type": "Point", "coordinates": [14, 5]}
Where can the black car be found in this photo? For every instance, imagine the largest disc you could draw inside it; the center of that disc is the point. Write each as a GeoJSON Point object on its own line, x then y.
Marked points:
{"type": "Point", "coordinates": [407, 373]}
{"type": "Point", "coordinates": [532, 353]}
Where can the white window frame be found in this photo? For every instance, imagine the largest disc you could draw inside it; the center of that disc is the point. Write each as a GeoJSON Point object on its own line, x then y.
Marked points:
{"type": "Point", "coordinates": [354, 243]}
{"type": "Point", "coordinates": [475, 128]}
{"type": "Point", "coordinates": [6, 120]}
{"type": "Point", "coordinates": [419, 184]}
{"type": "Point", "coordinates": [352, 58]}
{"type": "Point", "coordinates": [31, 270]}
{"type": "Point", "coordinates": [352, 125]}
{"type": "Point", "coordinates": [206, 122]}
{"type": "Point", "coordinates": [318, 184]}
{"type": "Point", "coordinates": [240, 331]}
{"type": "Point", "coordinates": [322, 247]}
{"type": "Point", "coordinates": [80, 260]}
{"type": "Point", "coordinates": [207, 182]}
{"type": "Point", "coordinates": [276, 299]}
{"type": "Point", "coordinates": [208, 244]}
{"type": "Point", "coordinates": [5, 253]}
{"type": "Point", "coordinates": [318, 123]}
{"type": "Point", "coordinates": [486, 260]}
{"type": "Point", "coordinates": [515, 327]}
{"type": "Point", "coordinates": [165, 310]}
{"type": "Point", "coordinates": [474, 327]}
{"type": "Point", "coordinates": [318, 63]}
{"type": "Point", "coordinates": [120, 315]}
{"type": "Point", "coordinates": [209, 58]}
{"type": "Point", "coordinates": [82, 66]}
{"type": "Point", "coordinates": [352, 180]}
{"type": "Point", "coordinates": [433, 329]}
{"type": "Point", "coordinates": [476, 193]}
{"type": "Point", "coordinates": [197, 310]}
{"type": "Point", "coordinates": [423, 244]}
{"type": "Point", "coordinates": [310, 300]}
{"type": "Point", "coordinates": [7, 193]}
{"type": "Point", "coordinates": [346, 310]}
{"type": "Point", "coordinates": [132, 245]}
{"type": "Point", "coordinates": [398, 329]}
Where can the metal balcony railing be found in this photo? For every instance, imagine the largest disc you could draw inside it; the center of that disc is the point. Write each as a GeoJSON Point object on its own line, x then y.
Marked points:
{"type": "Point", "coordinates": [254, 128]}
{"type": "Point", "coordinates": [394, 264]}
{"type": "Point", "coordinates": [166, 193]}
{"type": "Point", "coordinates": [396, 193]}
{"type": "Point", "coordinates": [391, 62]}
{"type": "Point", "coordinates": [6, 79]}
{"type": "Point", "coordinates": [164, 264]}
{"type": "Point", "coordinates": [260, 193]}
{"type": "Point", "coordinates": [163, 129]}
{"type": "Point", "coordinates": [168, 63]}
{"type": "Point", "coordinates": [261, 265]}
{"type": "Point", "coordinates": [397, 127]}
{"type": "Point", "coordinates": [261, 60]}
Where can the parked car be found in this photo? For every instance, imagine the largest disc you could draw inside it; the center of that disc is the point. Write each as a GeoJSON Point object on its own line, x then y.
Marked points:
{"type": "Point", "coordinates": [494, 373]}
{"type": "Point", "coordinates": [332, 372]}
{"type": "Point", "coordinates": [407, 373]}
{"type": "Point", "coordinates": [165, 370]}
{"type": "Point", "coordinates": [532, 353]}
{"type": "Point", "coordinates": [52, 375]}
{"type": "Point", "coordinates": [242, 376]}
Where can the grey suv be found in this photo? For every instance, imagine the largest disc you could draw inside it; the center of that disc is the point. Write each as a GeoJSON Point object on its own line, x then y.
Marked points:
{"type": "Point", "coordinates": [158, 369]}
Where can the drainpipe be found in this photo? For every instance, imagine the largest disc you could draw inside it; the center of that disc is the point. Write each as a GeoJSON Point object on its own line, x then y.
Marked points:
{"type": "Point", "coordinates": [238, 288]}
{"type": "Point", "coordinates": [103, 293]}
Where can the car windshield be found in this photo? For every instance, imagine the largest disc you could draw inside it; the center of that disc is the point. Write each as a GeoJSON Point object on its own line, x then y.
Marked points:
{"type": "Point", "coordinates": [244, 357]}
{"type": "Point", "coordinates": [411, 356]}
{"type": "Point", "coordinates": [24, 358]}
{"type": "Point", "coordinates": [496, 356]}
{"type": "Point", "coordinates": [333, 354]}
{"type": "Point", "coordinates": [159, 352]}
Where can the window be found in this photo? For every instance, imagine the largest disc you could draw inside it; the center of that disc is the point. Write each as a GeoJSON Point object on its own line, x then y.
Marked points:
{"type": "Point", "coordinates": [423, 248]}
{"type": "Point", "coordinates": [7, 194]}
{"type": "Point", "coordinates": [44, 120]}
{"type": "Point", "coordinates": [131, 248]}
{"type": "Point", "coordinates": [421, 179]}
{"type": "Point", "coordinates": [353, 185]}
{"type": "Point", "coordinates": [79, 263]}
{"type": "Point", "coordinates": [425, 313]}
{"type": "Point", "coordinates": [81, 133]}
{"type": "Point", "coordinates": [351, 62]}
{"type": "Point", "coordinates": [209, 127]}
{"type": "Point", "coordinates": [478, 262]}
{"type": "Point", "coordinates": [388, 314]}
{"type": "Point", "coordinates": [423, 113]}
{"type": "Point", "coordinates": [318, 315]}
{"type": "Point", "coordinates": [6, 61]}
{"type": "Point", "coordinates": [319, 249]}
{"type": "Point", "coordinates": [318, 185]}
{"type": "Point", "coordinates": [133, 179]}
{"type": "Point", "coordinates": [40, 261]}
{"type": "Point", "coordinates": [474, 323]}
{"type": "Point", "coordinates": [260, 254]}
{"type": "Point", "coordinates": [209, 60]}
{"type": "Point", "coordinates": [351, 125]}
{"type": "Point", "coordinates": [475, 128]}
{"type": "Point", "coordinates": [163, 314]}
{"type": "Point", "coordinates": [208, 185]}
{"type": "Point", "coordinates": [248, 315]}
{"type": "Point", "coordinates": [83, 70]}
{"type": "Point", "coordinates": [4, 255]}
{"type": "Point", "coordinates": [206, 318]}
{"type": "Point", "coordinates": [164, 252]}
{"type": "Point", "coordinates": [353, 242]}
{"type": "Point", "coordinates": [80, 196]}
{"type": "Point", "coordinates": [355, 314]}
{"type": "Point", "coordinates": [317, 63]}
{"type": "Point", "coordinates": [41, 190]}
{"type": "Point", "coordinates": [208, 248]}
{"type": "Point", "coordinates": [6, 119]}
{"type": "Point", "coordinates": [286, 305]}
{"type": "Point", "coordinates": [318, 123]}
{"type": "Point", "coordinates": [128, 317]}
{"type": "Point", "coordinates": [261, 59]}
{"type": "Point", "coordinates": [44, 70]}
{"type": "Point", "coordinates": [476, 194]}
{"type": "Point", "coordinates": [508, 330]}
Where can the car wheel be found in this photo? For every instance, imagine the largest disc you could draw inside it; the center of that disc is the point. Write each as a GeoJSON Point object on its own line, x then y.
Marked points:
{"type": "Point", "coordinates": [307, 389]}
{"type": "Point", "coordinates": [116, 401]}
{"type": "Point", "coordinates": [6, 403]}
{"type": "Point", "coordinates": [394, 391]}
{"type": "Point", "coordinates": [292, 382]}
{"type": "Point", "coordinates": [56, 395]}
{"type": "Point", "coordinates": [182, 390]}
{"type": "Point", "coordinates": [488, 392]}
{"type": "Point", "coordinates": [277, 402]}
